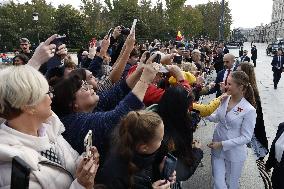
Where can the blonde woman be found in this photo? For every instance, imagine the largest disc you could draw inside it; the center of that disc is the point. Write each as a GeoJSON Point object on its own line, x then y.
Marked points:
{"type": "Point", "coordinates": [33, 133]}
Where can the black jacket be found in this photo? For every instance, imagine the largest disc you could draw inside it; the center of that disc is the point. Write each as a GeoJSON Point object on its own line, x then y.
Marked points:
{"type": "Point", "coordinates": [276, 65]}
{"type": "Point", "coordinates": [114, 173]}
{"type": "Point", "coordinates": [219, 79]}
{"type": "Point", "coordinates": [278, 172]}
{"type": "Point", "coordinates": [115, 47]}
{"type": "Point", "coordinates": [253, 53]}
{"type": "Point", "coordinates": [259, 129]}
{"type": "Point", "coordinates": [218, 62]}
{"type": "Point", "coordinates": [245, 59]}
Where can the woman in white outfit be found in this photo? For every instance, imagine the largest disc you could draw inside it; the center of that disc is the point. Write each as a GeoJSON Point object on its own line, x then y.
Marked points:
{"type": "Point", "coordinates": [33, 133]}
{"type": "Point", "coordinates": [235, 120]}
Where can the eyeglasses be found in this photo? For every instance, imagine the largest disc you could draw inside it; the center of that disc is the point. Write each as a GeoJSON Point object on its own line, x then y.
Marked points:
{"type": "Point", "coordinates": [50, 92]}
{"type": "Point", "coordinates": [85, 86]}
{"type": "Point", "coordinates": [91, 76]}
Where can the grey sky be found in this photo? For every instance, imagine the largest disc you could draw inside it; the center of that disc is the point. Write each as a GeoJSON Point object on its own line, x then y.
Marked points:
{"type": "Point", "coordinates": [246, 13]}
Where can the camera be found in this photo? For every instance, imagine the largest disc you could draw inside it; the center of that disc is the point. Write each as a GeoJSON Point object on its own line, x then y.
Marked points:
{"type": "Point", "coordinates": [124, 30]}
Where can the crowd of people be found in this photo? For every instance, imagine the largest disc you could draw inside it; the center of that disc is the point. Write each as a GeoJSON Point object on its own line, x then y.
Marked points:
{"type": "Point", "coordinates": [141, 102]}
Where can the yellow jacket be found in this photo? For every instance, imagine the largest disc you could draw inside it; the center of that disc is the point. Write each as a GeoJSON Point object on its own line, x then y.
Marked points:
{"type": "Point", "coordinates": [207, 109]}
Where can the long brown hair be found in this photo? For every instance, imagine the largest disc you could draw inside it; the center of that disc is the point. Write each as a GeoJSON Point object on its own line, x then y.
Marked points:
{"type": "Point", "coordinates": [249, 70]}
{"type": "Point", "coordinates": [135, 128]}
{"type": "Point", "coordinates": [241, 78]}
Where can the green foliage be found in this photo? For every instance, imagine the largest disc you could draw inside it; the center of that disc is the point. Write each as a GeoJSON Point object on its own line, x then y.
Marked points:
{"type": "Point", "coordinates": [211, 19]}
{"type": "Point", "coordinates": [160, 20]}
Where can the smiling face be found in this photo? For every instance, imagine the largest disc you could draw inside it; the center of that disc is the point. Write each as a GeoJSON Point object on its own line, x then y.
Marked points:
{"type": "Point", "coordinates": [86, 99]}
{"type": "Point", "coordinates": [233, 88]}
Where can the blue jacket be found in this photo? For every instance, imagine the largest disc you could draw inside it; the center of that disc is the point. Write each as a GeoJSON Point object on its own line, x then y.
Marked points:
{"type": "Point", "coordinates": [219, 79]}
{"type": "Point", "coordinates": [96, 67]}
{"type": "Point", "coordinates": [113, 105]}
{"type": "Point", "coordinates": [276, 65]}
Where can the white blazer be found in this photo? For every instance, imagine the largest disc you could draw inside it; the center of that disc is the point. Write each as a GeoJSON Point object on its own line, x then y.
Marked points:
{"type": "Point", "coordinates": [234, 129]}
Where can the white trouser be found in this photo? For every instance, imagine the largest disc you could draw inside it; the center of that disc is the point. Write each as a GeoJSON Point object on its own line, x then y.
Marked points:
{"type": "Point", "coordinates": [226, 174]}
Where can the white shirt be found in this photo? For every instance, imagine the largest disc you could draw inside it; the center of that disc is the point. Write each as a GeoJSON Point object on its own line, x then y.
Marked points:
{"type": "Point", "coordinates": [279, 148]}
{"type": "Point", "coordinates": [226, 73]}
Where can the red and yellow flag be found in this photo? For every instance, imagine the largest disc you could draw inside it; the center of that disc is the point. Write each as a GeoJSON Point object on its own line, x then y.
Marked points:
{"type": "Point", "coordinates": [179, 36]}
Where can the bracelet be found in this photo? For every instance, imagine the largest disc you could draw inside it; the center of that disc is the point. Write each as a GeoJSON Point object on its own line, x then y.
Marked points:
{"type": "Point", "coordinates": [142, 81]}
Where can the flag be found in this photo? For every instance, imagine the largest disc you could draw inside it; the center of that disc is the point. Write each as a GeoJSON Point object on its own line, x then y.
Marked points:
{"type": "Point", "coordinates": [179, 36]}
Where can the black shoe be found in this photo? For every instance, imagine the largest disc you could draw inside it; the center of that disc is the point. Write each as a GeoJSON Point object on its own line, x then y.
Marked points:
{"type": "Point", "coordinates": [275, 87]}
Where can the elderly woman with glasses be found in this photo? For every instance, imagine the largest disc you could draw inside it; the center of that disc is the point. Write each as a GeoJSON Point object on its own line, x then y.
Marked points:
{"type": "Point", "coordinates": [33, 133]}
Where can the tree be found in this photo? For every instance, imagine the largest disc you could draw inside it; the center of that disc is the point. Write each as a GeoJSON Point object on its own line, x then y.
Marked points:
{"type": "Point", "coordinates": [175, 15]}
{"type": "Point", "coordinates": [193, 22]}
{"type": "Point", "coordinates": [69, 21]}
{"type": "Point", "coordinates": [211, 18]}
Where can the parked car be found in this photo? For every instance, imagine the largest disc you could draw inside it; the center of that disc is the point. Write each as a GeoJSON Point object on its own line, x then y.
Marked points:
{"type": "Point", "coordinates": [233, 45]}
{"type": "Point", "coordinates": [272, 48]}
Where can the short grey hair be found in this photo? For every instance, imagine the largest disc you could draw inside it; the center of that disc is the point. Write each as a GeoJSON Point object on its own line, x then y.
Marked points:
{"type": "Point", "coordinates": [21, 86]}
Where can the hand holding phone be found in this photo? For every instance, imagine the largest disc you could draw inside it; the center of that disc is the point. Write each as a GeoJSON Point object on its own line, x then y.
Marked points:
{"type": "Point", "coordinates": [161, 184]}
{"type": "Point", "coordinates": [59, 40]}
{"type": "Point", "coordinates": [93, 42]}
{"type": "Point", "coordinates": [169, 166]}
{"type": "Point", "coordinates": [177, 59]}
{"type": "Point", "coordinates": [88, 142]}
{"type": "Point", "coordinates": [109, 33]}
{"type": "Point", "coordinates": [133, 26]}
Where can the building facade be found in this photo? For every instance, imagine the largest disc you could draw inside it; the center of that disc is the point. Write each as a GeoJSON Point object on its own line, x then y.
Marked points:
{"type": "Point", "coordinates": [272, 31]}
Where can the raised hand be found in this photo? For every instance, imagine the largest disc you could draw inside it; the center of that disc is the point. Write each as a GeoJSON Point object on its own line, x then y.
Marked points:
{"type": "Point", "coordinates": [87, 169]}
{"type": "Point", "coordinates": [43, 52]}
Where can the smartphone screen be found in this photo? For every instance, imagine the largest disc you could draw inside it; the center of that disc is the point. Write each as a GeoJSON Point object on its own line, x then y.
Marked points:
{"type": "Point", "coordinates": [169, 166]}
{"type": "Point", "coordinates": [177, 59]}
{"type": "Point", "coordinates": [109, 33]}
{"type": "Point", "coordinates": [133, 25]}
{"type": "Point", "coordinates": [20, 176]}
{"type": "Point", "coordinates": [157, 59]}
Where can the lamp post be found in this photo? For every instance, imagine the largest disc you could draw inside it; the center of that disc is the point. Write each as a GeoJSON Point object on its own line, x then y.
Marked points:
{"type": "Point", "coordinates": [221, 27]}
{"type": "Point", "coordinates": [35, 19]}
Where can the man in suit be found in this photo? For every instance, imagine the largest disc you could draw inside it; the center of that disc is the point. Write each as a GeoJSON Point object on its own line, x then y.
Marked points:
{"type": "Point", "coordinates": [222, 76]}
{"type": "Point", "coordinates": [218, 60]}
{"type": "Point", "coordinates": [275, 159]}
{"type": "Point", "coordinates": [277, 67]}
{"type": "Point", "coordinates": [245, 57]}
{"type": "Point", "coordinates": [241, 51]}
{"type": "Point", "coordinates": [254, 55]}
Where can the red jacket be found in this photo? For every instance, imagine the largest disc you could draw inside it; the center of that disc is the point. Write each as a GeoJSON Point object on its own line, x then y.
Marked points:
{"type": "Point", "coordinates": [153, 93]}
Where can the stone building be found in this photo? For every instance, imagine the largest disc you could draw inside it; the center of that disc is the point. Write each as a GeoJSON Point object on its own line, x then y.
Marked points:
{"type": "Point", "coordinates": [272, 31]}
